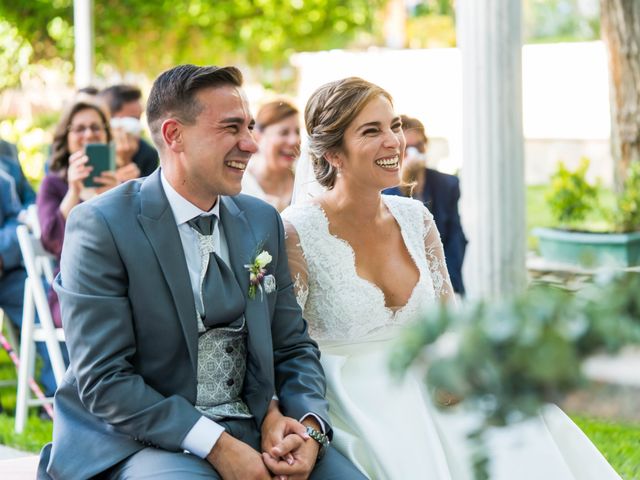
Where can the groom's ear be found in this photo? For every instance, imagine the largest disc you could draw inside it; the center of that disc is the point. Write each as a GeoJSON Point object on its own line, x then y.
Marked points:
{"type": "Point", "coordinates": [172, 135]}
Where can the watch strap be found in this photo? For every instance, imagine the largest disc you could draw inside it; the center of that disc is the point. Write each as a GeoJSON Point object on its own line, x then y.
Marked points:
{"type": "Point", "coordinates": [321, 438]}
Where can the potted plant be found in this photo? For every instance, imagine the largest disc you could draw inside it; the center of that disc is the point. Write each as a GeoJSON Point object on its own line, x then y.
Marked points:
{"type": "Point", "coordinates": [613, 242]}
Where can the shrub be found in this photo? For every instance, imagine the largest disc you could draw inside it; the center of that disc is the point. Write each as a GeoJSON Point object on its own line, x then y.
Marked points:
{"type": "Point", "coordinates": [626, 216]}
{"type": "Point", "coordinates": [571, 197]}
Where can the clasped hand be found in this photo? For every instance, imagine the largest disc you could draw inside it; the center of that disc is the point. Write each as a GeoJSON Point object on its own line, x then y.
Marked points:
{"type": "Point", "coordinates": [288, 452]}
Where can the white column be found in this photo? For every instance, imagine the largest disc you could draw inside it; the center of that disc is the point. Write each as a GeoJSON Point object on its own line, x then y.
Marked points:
{"type": "Point", "coordinates": [84, 44]}
{"type": "Point", "coordinates": [493, 190]}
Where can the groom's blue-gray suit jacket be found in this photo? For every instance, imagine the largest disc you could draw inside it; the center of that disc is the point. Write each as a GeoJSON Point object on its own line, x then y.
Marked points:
{"type": "Point", "coordinates": [130, 322]}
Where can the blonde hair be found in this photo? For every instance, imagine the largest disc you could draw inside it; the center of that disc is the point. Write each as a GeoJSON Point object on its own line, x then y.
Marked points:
{"type": "Point", "coordinates": [328, 113]}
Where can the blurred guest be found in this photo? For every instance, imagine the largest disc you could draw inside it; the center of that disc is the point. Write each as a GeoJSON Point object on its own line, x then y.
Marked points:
{"type": "Point", "coordinates": [26, 196]}
{"type": "Point", "coordinates": [13, 274]}
{"type": "Point", "coordinates": [11, 166]}
{"type": "Point", "coordinates": [8, 149]}
{"type": "Point", "coordinates": [440, 194]}
{"type": "Point", "coordinates": [89, 90]}
{"type": "Point", "coordinates": [63, 186]}
{"type": "Point", "coordinates": [125, 106]}
{"type": "Point", "coordinates": [270, 172]}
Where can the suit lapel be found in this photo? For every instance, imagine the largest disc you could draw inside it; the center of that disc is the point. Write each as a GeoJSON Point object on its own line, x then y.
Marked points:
{"type": "Point", "coordinates": [158, 223]}
{"type": "Point", "coordinates": [243, 248]}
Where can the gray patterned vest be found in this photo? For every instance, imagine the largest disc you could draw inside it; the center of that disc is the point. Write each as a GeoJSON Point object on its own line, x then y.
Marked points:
{"type": "Point", "coordinates": [222, 341]}
{"type": "Point", "coordinates": [222, 362]}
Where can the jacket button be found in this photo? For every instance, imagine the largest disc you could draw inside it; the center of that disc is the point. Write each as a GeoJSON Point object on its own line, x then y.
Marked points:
{"type": "Point", "coordinates": [229, 349]}
{"type": "Point", "coordinates": [230, 382]}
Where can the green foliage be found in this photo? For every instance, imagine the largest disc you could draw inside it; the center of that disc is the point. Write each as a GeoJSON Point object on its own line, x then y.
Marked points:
{"type": "Point", "coordinates": [577, 205]}
{"type": "Point", "coordinates": [561, 20]}
{"type": "Point", "coordinates": [33, 140]}
{"type": "Point", "coordinates": [506, 359]}
{"type": "Point", "coordinates": [627, 214]}
{"type": "Point", "coordinates": [545, 21]}
{"type": "Point", "coordinates": [15, 57]}
{"type": "Point", "coordinates": [570, 195]}
{"type": "Point", "coordinates": [258, 32]}
{"type": "Point", "coordinates": [434, 7]}
{"type": "Point", "coordinates": [539, 213]}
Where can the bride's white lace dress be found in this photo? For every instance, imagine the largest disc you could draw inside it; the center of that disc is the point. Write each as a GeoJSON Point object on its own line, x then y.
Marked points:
{"type": "Point", "coordinates": [390, 429]}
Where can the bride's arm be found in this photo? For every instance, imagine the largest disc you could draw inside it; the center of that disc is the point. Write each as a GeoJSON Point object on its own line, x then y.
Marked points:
{"type": "Point", "coordinates": [297, 263]}
{"type": "Point", "coordinates": [435, 259]}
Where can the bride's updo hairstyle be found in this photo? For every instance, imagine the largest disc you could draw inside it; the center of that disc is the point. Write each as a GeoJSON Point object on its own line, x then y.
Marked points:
{"type": "Point", "coordinates": [328, 113]}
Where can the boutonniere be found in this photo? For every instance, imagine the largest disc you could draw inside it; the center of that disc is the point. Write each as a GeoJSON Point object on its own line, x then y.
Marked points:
{"type": "Point", "coordinates": [258, 280]}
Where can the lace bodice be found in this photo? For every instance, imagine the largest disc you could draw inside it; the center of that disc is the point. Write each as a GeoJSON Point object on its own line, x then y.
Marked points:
{"type": "Point", "coordinates": [338, 304]}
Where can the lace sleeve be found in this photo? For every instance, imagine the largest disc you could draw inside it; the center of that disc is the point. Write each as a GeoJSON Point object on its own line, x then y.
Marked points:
{"type": "Point", "coordinates": [297, 263]}
{"type": "Point", "coordinates": [435, 259]}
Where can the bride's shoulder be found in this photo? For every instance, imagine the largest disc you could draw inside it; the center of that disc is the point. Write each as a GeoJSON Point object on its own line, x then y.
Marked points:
{"type": "Point", "coordinates": [301, 213]}
{"type": "Point", "coordinates": [406, 206]}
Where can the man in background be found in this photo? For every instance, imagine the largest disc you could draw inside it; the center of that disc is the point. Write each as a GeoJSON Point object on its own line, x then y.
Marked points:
{"type": "Point", "coordinates": [439, 192]}
{"type": "Point", "coordinates": [125, 106]}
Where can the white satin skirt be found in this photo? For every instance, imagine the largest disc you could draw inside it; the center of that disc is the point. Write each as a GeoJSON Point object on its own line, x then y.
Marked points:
{"type": "Point", "coordinates": [391, 430]}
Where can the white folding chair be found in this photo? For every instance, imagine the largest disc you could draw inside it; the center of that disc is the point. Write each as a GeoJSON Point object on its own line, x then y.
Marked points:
{"type": "Point", "coordinates": [39, 266]}
{"type": "Point", "coordinates": [32, 220]}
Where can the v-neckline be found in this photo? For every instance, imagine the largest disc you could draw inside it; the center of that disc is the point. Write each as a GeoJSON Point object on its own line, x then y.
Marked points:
{"type": "Point", "coordinates": [375, 286]}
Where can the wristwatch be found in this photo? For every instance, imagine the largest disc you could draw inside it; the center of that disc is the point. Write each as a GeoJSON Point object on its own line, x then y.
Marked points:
{"type": "Point", "coordinates": [321, 438]}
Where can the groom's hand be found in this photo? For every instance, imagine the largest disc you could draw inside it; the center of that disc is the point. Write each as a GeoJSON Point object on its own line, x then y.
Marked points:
{"type": "Point", "coordinates": [300, 454]}
{"type": "Point", "coordinates": [280, 434]}
{"type": "Point", "coordinates": [235, 460]}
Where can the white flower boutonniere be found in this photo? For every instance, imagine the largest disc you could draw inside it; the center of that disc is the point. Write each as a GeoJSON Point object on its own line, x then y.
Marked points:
{"type": "Point", "coordinates": [258, 280]}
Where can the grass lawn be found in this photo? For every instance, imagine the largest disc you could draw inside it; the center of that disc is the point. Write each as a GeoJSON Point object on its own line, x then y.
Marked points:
{"type": "Point", "coordinates": [538, 213]}
{"type": "Point", "coordinates": [619, 443]}
{"type": "Point", "coordinates": [36, 433]}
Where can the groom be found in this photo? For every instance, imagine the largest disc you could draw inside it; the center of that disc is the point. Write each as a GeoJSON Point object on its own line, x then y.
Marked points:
{"type": "Point", "coordinates": [180, 315]}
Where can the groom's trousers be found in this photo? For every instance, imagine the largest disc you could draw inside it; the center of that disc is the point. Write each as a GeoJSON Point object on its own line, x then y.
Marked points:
{"type": "Point", "coordinates": [157, 464]}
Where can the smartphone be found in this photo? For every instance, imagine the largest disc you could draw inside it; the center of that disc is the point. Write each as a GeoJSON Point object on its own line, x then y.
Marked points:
{"type": "Point", "coordinates": [102, 157]}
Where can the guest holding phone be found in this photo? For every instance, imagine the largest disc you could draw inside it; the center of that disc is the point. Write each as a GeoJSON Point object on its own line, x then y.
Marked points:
{"type": "Point", "coordinates": [63, 187]}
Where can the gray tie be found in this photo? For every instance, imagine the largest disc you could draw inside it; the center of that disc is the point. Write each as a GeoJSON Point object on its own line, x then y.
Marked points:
{"type": "Point", "coordinates": [222, 297]}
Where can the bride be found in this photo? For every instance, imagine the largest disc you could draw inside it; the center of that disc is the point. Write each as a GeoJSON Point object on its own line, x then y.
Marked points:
{"type": "Point", "coordinates": [365, 264]}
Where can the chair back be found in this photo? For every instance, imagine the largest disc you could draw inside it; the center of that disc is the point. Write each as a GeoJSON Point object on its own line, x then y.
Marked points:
{"type": "Point", "coordinates": [33, 221]}
{"type": "Point", "coordinates": [39, 266]}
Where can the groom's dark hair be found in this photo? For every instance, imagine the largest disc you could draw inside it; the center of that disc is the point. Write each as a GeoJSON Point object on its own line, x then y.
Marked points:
{"type": "Point", "coordinates": [174, 94]}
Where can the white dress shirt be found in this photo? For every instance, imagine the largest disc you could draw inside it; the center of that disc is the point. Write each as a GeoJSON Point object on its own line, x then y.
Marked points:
{"type": "Point", "coordinates": [205, 433]}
